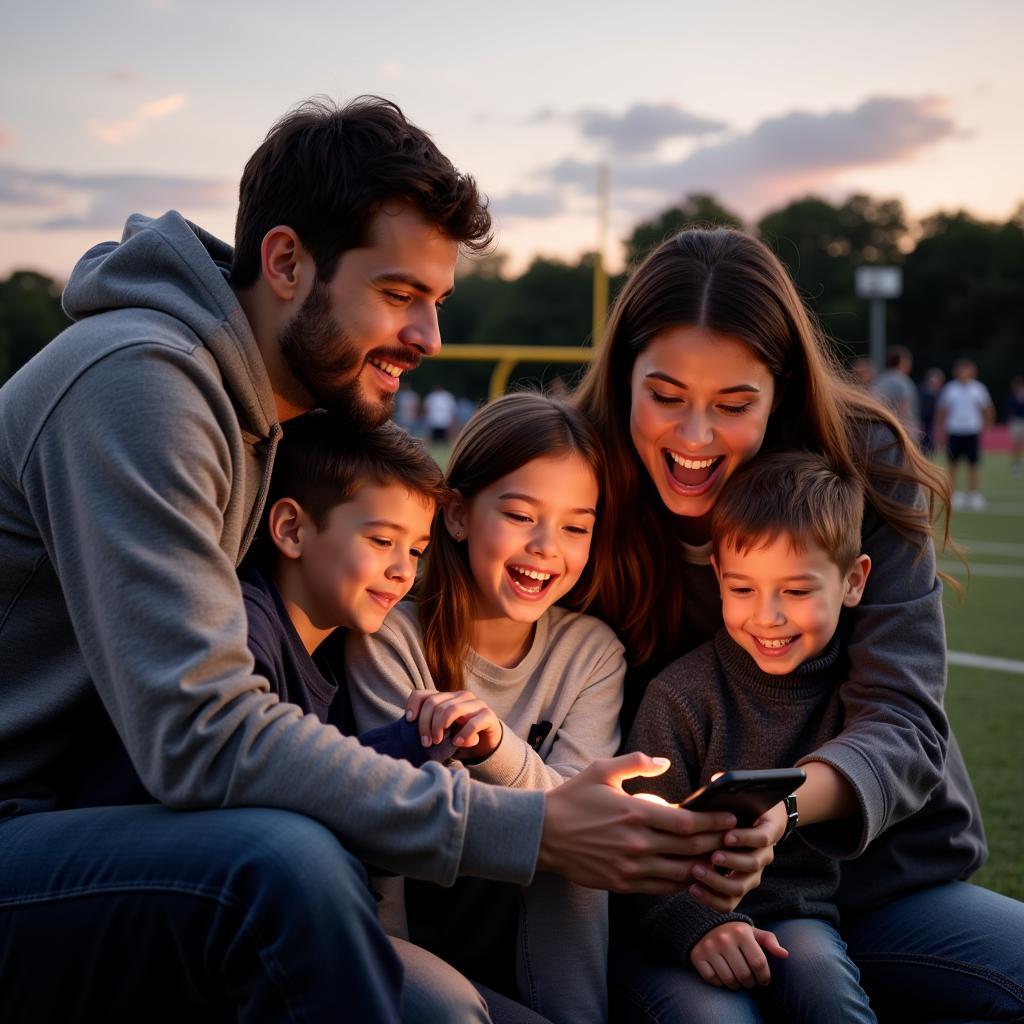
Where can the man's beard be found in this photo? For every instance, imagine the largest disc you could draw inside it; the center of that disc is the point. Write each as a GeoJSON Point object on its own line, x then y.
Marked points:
{"type": "Point", "coordinates": [324, 360]}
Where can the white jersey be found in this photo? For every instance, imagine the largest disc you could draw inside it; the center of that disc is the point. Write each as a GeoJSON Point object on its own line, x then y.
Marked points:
{"type": "Point", "coordinates": [965, 403]}
{"type": "Point", "coordinates": [439, 409]}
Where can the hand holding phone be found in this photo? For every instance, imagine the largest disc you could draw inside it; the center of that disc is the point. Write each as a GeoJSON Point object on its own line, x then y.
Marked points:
{"type": "Point", "coordinates": [748, 794]}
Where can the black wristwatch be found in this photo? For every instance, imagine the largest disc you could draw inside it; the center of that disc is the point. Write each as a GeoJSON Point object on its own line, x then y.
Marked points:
{"type": "Point", "coordinates": [792, 816]}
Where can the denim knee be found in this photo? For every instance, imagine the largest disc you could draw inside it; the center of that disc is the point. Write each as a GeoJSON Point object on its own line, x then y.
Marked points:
{"type": "Point", "coordinates": [290, 861]}
{"type": "Point", "coordinates": [817, 982]}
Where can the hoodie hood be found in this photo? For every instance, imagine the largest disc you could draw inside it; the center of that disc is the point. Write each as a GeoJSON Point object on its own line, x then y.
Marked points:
{"type": "Point", "coordinates": [171, 266]}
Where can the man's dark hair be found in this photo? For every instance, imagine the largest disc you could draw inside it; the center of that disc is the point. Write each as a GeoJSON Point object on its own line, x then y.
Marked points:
{"type": "Point", "coordinates": [322, 462]}
{"type": "Point", "coordinates": [326, 171]}
{"type": "Point", "coordinates": [794, 494]}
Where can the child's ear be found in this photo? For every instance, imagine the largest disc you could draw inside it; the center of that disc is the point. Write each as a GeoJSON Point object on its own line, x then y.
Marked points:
{"type": "Point", "coordinates": [286, 521]}
{"type": "Point", "coordinates": [856, 578]}
{"type": "Point", "coordinates": [455, 516]}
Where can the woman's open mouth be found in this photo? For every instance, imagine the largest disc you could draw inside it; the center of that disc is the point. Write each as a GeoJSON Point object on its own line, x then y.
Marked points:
{"type": "Point", "coordinates": [692, 476]}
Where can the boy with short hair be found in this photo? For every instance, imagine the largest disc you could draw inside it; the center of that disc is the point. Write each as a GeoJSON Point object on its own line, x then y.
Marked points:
{"type": "Point", "coordinates": [347, 518]}
{"type": "Point", "coordinates": [764, 693]}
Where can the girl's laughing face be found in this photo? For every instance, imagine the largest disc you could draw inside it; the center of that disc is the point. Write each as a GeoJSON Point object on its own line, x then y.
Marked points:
{"type": "Point", "coordinates": [529, 536]}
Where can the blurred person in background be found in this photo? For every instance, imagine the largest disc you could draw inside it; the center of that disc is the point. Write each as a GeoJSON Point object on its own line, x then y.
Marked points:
{"type": "Point", "coordinates": [439, 414]}
{"type": "Point", "coordinates": [464, 409]}
{"type": "Point", "coordinates": [964, 410]}
{"type": "Point", "coordinates": [895, 389]}
{"type": "Point", "coordinates": [862, 372]}
{"type": "Point", "coordinates": [407, 409]}
{"type": "Point", "coordinates": [927, 400]}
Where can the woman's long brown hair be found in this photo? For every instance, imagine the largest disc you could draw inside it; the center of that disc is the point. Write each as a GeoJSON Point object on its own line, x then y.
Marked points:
{"type": "Point", "coordinates": [732, 284]}
{"type": "Point", "coordinates": [502, 437]}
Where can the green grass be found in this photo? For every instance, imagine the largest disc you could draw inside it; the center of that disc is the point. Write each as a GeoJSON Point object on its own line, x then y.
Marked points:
{"type": "Point", "coordinates": [987, 707]}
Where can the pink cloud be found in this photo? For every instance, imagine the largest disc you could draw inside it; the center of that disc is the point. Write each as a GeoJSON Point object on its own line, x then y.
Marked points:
{"type": "Point", "coordinates": [116, 132]}
{"type": "Point", "coordinates": [780, 157]}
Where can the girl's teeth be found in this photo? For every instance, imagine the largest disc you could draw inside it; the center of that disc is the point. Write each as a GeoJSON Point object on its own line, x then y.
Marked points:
{"type": "Point", "coordinates": [533, 574]}
{"type": "Point", "coordinates": [522, 575]}
{"type": "Point", "coordinates": [775, 643]}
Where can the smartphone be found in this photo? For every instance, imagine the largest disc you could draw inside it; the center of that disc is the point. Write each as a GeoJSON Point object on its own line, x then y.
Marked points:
{"type": "Point", "coordinates": [747, 794]}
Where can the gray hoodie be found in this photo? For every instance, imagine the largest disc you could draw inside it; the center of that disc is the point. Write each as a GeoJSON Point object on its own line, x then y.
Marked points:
{"type": "Point", "coordinates": [134, 456]}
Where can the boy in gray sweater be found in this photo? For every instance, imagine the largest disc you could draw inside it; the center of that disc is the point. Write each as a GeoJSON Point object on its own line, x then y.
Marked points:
{"type": "Point", "coordinates": [765, 693]}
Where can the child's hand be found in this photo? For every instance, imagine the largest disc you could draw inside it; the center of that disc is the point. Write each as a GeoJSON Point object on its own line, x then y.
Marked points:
{"type": "Point", "coordinates": [766, 831]}
{"type": "Point", "coordinates": [731, 955]}
{"type": "Point", "coordinates": [480, 728]}
{"type": "Point", "coordinates": [738, 866]}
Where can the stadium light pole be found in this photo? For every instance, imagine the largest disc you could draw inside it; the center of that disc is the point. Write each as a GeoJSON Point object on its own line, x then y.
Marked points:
{"type": "Point", "coordinates": [877, 284]}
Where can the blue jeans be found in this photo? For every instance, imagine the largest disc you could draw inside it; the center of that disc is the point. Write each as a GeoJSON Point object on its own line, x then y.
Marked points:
{"type": "Point", "coordinates": [952, 952]}
{"type": "Point", "coordinates": [143, 913]}
{"type": "Point", "coordinates": [545, 944]}
{"type": "Point", "coordinates": [817, 984]}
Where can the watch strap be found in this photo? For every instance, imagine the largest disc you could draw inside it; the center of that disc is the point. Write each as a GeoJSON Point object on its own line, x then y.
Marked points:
{"type": "Point", "coordinates": [792, 816]}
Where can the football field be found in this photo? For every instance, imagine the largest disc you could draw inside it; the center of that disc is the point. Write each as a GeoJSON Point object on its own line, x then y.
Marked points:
{"type": "Point", "coordinates": [985, 699]}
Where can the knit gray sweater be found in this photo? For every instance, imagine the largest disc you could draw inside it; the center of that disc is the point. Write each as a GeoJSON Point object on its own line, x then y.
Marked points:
{"type": "Point", "coordinates": [715, 710]}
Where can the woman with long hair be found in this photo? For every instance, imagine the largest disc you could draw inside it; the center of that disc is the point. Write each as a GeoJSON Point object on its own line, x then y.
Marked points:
{"type": "Point", "coordinates": [709, 358]}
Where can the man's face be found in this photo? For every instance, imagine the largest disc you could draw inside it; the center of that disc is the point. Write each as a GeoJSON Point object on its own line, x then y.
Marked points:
{"type": "Point", "coordinates": [354, 336]}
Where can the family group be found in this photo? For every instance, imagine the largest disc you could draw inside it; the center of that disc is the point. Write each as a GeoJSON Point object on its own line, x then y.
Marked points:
{"type": "Point", "coordinates": [296, 726]}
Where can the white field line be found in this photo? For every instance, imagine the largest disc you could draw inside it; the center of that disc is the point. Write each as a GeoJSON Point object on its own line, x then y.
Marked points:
{"type": "Point", "coordinates": [983, 661]}
{"type": "Point", "coordinates": [1012, 509]}
{"type": "Point", "coordinates": [983, 569]}
{"type": "Point", "coordinates": [992, 547]}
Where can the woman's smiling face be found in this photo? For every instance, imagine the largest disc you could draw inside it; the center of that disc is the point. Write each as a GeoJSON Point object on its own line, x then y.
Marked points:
{"type": "Point", "coordinates": [699, 409]}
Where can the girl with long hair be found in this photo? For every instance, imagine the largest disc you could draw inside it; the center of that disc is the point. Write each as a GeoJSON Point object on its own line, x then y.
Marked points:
{"type": "Point", "coordinates": [709, 358]}
{"type": "Point", "coordinates": [529, 690]}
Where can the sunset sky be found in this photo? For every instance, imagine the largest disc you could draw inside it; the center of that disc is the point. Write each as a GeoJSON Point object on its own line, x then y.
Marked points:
{"type": "Point", "coordinates": [121, 105]}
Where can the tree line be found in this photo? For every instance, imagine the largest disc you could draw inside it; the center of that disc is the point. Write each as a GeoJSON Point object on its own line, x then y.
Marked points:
{"type": "Point", "coordinates": [963, 289]}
